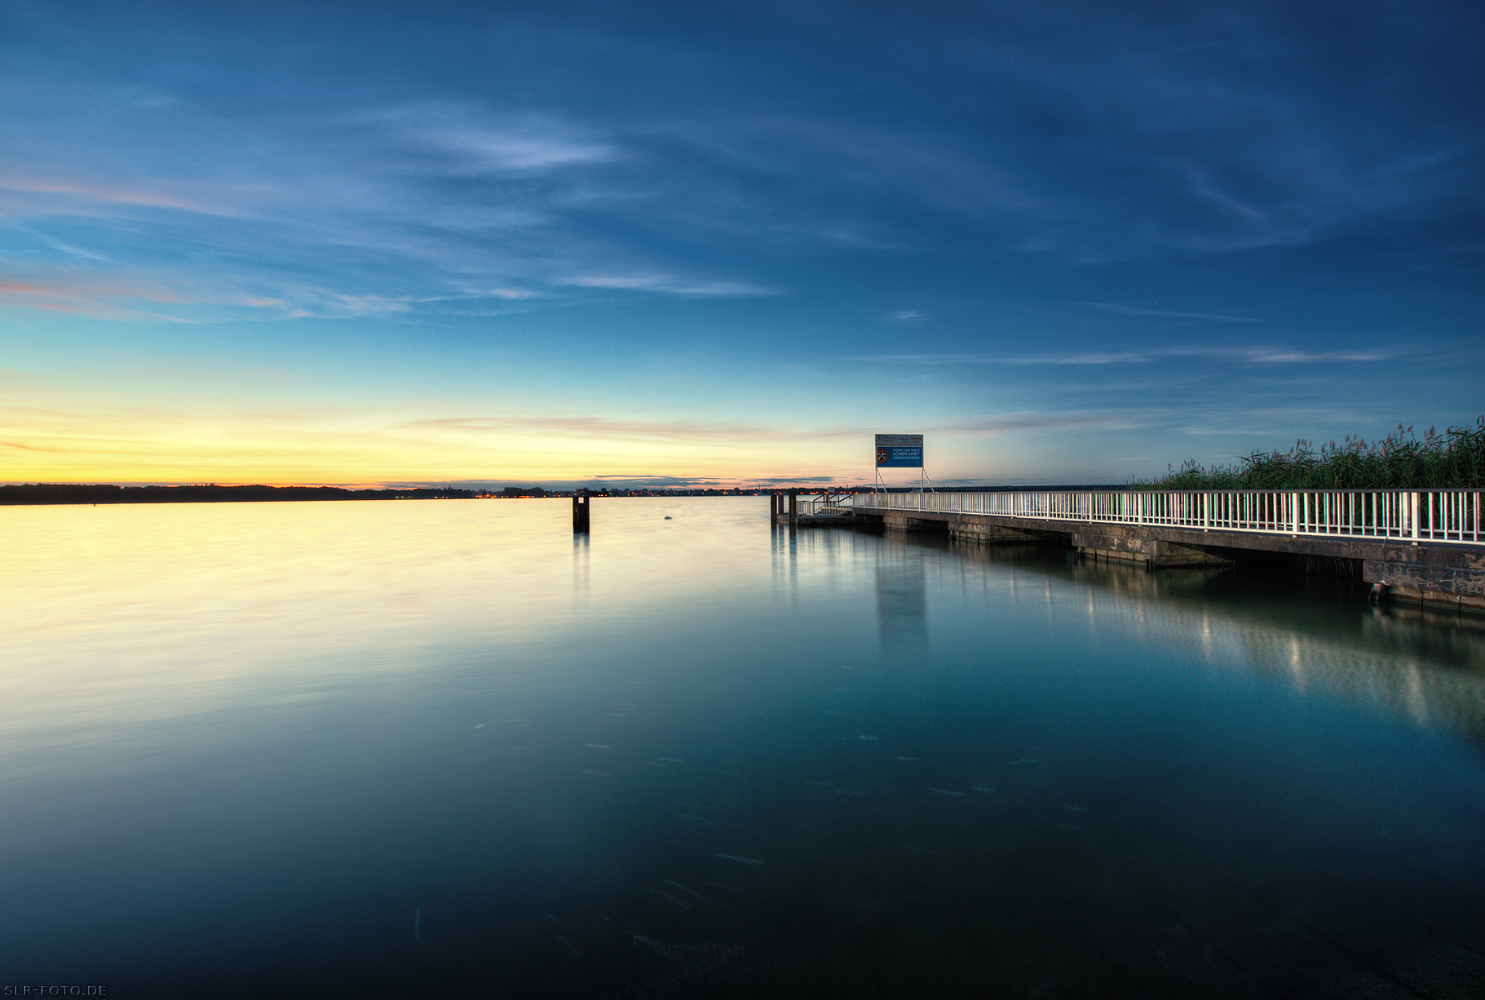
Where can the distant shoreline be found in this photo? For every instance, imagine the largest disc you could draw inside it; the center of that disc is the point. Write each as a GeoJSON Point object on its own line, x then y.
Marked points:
{"type": "Point", "coordinates": [66, 493]}
{"type": "Point", "coordinates": [33, 494]}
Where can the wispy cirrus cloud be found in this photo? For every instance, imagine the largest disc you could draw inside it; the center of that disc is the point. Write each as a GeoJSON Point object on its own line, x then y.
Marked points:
{"type": "Point", "coordinates": [666, 284]}
{"type": "Point", "coordinates": [606, 427]}
{"type": "Point", "coordinates": [953, 358]}
{"type": "Point", "coordinates": [467, 137]}
{"type": "Point", "coordinates": [80, 298]}
{"type": "Point", "coordinates": [600, 427]}
{"type": "Point", "coordinates": [1281, 356]}
{"type": "Point", "coordinates": [1036, 420]}
{"type": "Point", "coordinates": [330, 212]}
{"type": "Point", "coordinates": [1249, 355]}
{"type": "Point", "coordinates": [98, 192]}
{"type": "Point", "coordinates": [609, 427]}
{"type": "Point", "coordinates": [1122, 310]}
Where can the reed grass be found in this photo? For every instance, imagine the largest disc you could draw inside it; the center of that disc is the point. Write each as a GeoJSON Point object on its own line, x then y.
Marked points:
{"type": "Point", "coordinates": [1454, 459]}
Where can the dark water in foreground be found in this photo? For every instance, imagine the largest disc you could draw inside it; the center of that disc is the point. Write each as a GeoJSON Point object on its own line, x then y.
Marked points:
{"type": "Point", "coordinates": [443, 748]}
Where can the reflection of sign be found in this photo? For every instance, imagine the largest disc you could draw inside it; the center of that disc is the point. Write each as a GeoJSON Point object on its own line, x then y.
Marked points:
{"type": "Point", "coordinates": [900, 451]}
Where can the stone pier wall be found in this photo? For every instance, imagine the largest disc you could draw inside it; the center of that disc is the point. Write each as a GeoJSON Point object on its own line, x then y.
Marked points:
{"type": "Point", "coordinates": [1429, 574]}
{"type": "Point", "coordinates": [1435, 575]}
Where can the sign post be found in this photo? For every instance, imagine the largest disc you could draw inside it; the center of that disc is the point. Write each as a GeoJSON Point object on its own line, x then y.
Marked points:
{"type": "Point", "coordinates": [900, 451]}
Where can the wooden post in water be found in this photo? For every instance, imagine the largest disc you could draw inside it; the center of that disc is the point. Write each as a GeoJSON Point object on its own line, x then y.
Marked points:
{"type": "Point", "coordinates": [793, 508]}
{"type": "Point", "coordinates": [580, 512]}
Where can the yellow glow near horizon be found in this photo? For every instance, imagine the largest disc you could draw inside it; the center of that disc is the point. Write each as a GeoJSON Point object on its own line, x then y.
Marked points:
{"type": "Point", "coordinates": [91, 431]}
{"type": "Point", "coordinates": [349, 450]}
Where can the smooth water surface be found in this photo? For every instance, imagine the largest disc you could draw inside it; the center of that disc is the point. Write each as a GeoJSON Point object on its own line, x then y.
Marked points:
{"type": "Point", "coordinates": [446, 748]}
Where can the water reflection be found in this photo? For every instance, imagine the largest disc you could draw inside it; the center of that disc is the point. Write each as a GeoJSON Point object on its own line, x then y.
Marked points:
{"type": "Point", "coordinates": [1319, 637]}
{"type": "Point", "coordinates": [447, 746]}
{"type": "Point", "coordinates": [902, 598]}
{"type": "Point", "coordinates": [581, 572]}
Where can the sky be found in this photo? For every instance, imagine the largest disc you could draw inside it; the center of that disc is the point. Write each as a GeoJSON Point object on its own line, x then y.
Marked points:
{"type": "Point", "coordinates": [674, 244]}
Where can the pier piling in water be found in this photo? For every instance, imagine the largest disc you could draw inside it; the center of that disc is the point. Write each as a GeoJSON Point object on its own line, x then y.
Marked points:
{"type": "Point", "coordinates": [580, 508]}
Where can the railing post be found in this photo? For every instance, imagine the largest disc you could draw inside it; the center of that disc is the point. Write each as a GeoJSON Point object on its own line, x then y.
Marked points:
{"type": "Point", "coordinates": [1294, 503]}
{"type": "Point", "coordinates": [1415, 517]}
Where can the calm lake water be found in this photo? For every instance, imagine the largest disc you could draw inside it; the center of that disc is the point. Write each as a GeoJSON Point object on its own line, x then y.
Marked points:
{"type": "Point", "coordinates": [445, 748]}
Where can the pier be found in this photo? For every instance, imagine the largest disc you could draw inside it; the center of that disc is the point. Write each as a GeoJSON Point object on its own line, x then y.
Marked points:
{"type": "Point", "coordinates": [1425, 546]}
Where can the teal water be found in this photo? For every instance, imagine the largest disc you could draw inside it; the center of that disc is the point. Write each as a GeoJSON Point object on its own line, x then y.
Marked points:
{"type": "Point", "coordinates": [446, 748]}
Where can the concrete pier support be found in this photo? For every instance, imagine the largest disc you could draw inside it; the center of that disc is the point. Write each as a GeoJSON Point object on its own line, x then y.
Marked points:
{"type": "Point", "coordinates": [896, 520]}
{"type": "Point", "coordinates": [1156, 553]}
{"type": "Point", "coordinates": [990, 534]}
{"type": "Point", "coordinates": [1429, 576]}
{"type": "Point", "coordinates": [783, 508]}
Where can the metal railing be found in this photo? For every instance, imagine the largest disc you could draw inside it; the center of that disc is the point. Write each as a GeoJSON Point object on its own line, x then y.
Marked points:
{"type": "Point", "coordinates": [814, 503]}
{"type": "Point", "coordinates": [1452, 516]}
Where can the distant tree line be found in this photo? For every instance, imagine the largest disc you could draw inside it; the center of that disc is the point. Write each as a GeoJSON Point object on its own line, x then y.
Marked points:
{"type": "Point", "coordinates": [1454, 459]}
{"type": "Point", "coordinates": [34, 493]}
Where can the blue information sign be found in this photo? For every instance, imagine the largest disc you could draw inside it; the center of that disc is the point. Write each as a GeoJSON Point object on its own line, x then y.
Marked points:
{"type": "Point", "coordinates": [899, 451]}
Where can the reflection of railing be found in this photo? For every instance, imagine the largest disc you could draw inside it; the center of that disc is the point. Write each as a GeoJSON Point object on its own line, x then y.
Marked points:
{"type": "Point", "coordinates": [1411, 515]}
